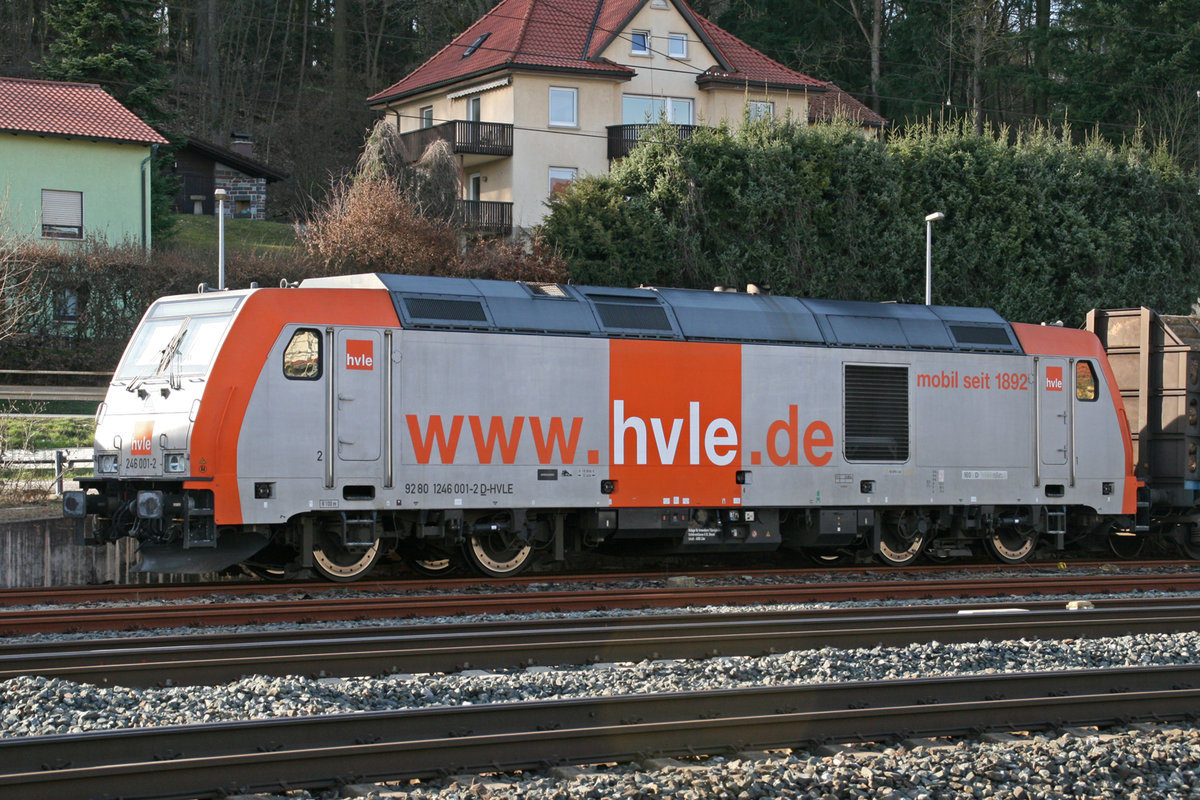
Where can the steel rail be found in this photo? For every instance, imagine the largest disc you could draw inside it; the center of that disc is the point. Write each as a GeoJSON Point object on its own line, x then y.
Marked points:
{"type": "Point", "coordinates": [281, 754]}
{"type": "Point", "coordinates": [453, 647]}
{"type": "Point", "coordinates": [42, 620]}
{"type": "Point", "coordinates": [142, 592]}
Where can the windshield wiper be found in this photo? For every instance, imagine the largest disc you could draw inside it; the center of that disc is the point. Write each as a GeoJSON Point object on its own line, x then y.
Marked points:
{"type": "Point", "coordinates": [168, 353]}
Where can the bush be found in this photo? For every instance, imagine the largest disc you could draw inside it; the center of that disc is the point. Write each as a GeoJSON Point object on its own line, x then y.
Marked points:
{"type": "Point", "coordinates": [369, 226]}
{"type": "Point", "coordinates": [92, 297]}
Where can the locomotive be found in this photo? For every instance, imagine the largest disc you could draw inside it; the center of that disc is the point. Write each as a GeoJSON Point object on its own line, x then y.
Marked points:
{"type": "Point", "coordinates": [319, 426]}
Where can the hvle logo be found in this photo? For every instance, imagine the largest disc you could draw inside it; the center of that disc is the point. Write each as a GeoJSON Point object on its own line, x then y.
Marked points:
{"type": "Point", "coordinates": [360, 354]}
{"type": "Point", "coordinates": [143, 432]}
{"type": "Point", "coordinates": [1054, 379]}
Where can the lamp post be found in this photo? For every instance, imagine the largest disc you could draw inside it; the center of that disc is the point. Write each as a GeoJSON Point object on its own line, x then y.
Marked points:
{"type": "Point", "coordinates": [220, 194]}
{"type": "Point", "coordinates": [929, 220]}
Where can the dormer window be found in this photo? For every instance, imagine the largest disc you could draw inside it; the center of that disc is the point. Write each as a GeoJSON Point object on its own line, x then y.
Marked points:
{"type": "Point", "coordinates": [640, 43]}
{"type": "Point", "coordinates": [475, 45]}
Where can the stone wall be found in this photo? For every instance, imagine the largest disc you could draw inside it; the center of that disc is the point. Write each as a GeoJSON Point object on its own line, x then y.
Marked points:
{"type": "Point", "coordinates": [244, 191]}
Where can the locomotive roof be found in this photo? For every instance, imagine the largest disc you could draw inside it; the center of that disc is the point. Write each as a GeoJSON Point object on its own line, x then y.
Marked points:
{"type": "Point", "coordinates": [685, 314]}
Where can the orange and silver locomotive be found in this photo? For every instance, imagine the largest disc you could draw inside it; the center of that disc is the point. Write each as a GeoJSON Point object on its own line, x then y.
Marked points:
{"type": "Point", "coordinates": [317, 427]}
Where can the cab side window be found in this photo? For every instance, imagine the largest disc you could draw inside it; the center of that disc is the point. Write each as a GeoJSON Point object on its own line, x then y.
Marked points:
{"type": "Point", "coordinates": [1085, 381]}
{"type": "Point", "coordinates": [302, 356]}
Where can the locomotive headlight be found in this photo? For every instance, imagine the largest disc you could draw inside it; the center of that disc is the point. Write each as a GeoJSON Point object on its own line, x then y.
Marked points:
{"type": "Point", "coordinates": [175, 462]}
{"type": "Point", "coordinates": [106, 463]}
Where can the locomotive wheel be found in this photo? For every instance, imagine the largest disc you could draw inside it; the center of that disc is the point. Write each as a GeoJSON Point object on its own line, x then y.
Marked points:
{"type": "Point", "coordinates": [431, 565]}
{"type": "Point", "coordinates": [901, 542]}
{"type": "Point", "coordinates": [335, 562]}
{"type": "Point", "coordinates": [1012, 545]}
{"type": "Point", "coordinates": [1124, 544]}
{"type": "Point", "coordinates": [1189, 544]}
{"type": "Point", "coordinates": [498, 554]}
{"type": "Point", "coordinates": [829, 558]}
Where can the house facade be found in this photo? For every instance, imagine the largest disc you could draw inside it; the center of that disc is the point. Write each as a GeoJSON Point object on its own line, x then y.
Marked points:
{"type": "Point", "coordinates": [538, 92]}
{"type": "Point", "coordinates": [74, 164]}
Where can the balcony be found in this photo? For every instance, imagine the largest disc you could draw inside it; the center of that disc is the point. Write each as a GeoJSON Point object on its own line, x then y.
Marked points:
{"type": "Point", "coordinates": [487, 139]}
{"type": "Point", "coordinates": [487, 216]}
{"type": "Point", "coordinates": [623, 138]}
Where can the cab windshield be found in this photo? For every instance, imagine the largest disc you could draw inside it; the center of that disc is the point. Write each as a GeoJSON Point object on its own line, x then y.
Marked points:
{"type": "Point", "coordinates": [178, 338]}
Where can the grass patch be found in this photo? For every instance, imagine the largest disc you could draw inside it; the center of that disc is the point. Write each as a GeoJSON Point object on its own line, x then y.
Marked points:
{"type": "Point", "coordinates": [199, 232]}
{"type": "Point", "coordinates": [46, 433]}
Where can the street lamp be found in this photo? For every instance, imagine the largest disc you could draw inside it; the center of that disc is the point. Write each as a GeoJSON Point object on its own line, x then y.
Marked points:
{"type": "Point", "coordinates": [929, 220]}
{"type": "Point", "coordinates": [220, 194]}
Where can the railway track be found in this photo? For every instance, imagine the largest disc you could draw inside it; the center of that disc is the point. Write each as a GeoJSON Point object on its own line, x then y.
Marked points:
{"type": "Point", "coordinates": [869, 573]}
{"type": "Point", "coordinates": [273, 609]}
{"type": "Point", "coordinates": [210, 659]}
{"type": "Point", "coordinates": [232, 758]}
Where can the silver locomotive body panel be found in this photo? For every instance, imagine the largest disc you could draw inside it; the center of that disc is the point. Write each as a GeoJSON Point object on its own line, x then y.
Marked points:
{"type": "Point", "coordinates": [461, 420]}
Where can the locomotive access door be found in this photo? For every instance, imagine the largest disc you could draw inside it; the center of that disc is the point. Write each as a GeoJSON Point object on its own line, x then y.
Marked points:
{"type": "Point", "coordinates": [1053, 417]}
{"type": "Point", "coordinates": [358, 397]}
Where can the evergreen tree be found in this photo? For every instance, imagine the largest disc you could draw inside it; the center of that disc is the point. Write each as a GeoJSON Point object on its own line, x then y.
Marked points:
{"type": "Point", "coordinates": [119, 45]}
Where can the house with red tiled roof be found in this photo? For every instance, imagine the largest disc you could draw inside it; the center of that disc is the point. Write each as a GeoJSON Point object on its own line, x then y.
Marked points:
{"type": "Point", "coordinates": [538, 92]}
{"type": "Point", "coordinates": [74, 164]}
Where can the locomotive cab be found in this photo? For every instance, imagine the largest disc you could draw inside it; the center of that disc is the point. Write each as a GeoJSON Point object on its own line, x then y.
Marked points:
{"type": "Point", "coordinates": [147, 485]}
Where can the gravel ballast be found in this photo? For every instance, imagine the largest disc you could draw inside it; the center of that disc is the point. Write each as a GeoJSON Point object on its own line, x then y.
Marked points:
{"type": "Point", "coordinates": [34, 706]}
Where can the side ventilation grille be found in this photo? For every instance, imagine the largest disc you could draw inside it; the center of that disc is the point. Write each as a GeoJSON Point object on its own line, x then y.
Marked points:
{"type": "Point", "coordinates": [876, 418]}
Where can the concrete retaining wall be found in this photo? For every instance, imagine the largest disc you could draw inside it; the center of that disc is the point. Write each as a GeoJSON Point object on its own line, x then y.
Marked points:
{"type": "Point", "coordinates": [42, 552]}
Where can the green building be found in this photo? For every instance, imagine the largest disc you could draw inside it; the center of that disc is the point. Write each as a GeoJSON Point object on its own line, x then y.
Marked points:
{"type": "Point", "coordinates": [74, 164]}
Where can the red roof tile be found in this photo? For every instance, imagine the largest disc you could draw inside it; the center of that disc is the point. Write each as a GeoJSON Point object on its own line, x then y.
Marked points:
{"type": "Point", "coordinates": [58, 108]}
{"type": "Point", "coordinates": [837, 104]}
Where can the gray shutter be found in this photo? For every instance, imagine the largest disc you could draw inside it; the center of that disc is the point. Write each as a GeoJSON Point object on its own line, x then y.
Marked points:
{"type": "Point", "coordinates": [62, 208]}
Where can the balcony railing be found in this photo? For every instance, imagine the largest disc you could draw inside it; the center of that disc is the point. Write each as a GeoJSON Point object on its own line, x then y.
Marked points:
{"type": "Point", "coordinates": [487, 215]}
{"type": "Point", "coordinates": [479, 138]}
{"type": "Point", "coordinates": [623, 138]}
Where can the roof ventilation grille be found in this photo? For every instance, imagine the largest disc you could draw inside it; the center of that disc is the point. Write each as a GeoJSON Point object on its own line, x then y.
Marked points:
{"type": "Point", "coordinates": [445, 309]}
{"type": "Point", "coordinates": [633, 316]}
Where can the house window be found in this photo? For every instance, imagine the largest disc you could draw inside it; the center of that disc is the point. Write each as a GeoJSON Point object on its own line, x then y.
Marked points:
{"type": "Point", "coordinates": [758, 109]}
{"type": "Point", "coordinates": [66, 305]}
{"type": "Point", "coordinates": [561, 178]}
{"type": "Point", "coordinates": [677, 45]}
{"type": "Point", "coordinates": [640, 109]}
{"type": "Point", "coordinates": [640, 43]}
{"type": "Point", "coordinates": [474, 186]}
{"type": "Point", "coordinates": [563, 107]}
{"type": "Point", "coordinates": [427, 117]}
{"type": "Point", "coordinates": [62, 214]}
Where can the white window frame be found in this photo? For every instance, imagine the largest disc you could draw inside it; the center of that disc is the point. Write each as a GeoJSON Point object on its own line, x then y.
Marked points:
{"type": "Point", "coordinates": [426, 115]}
{"type": "Point", "coordinates": [634, 49]}
{"type": "Point", "coordinates": [680, 39]}
{"type": "Point", "coordinates": [760, 109]}
{"type": "Point", "coordinates": [563, 123]}
{"type": "Point", "coordinates": [667, 107]}
{"type": "Point", "coordinates": [65, 212]}
{"type": "Point", "coordinates": [568, 174]}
